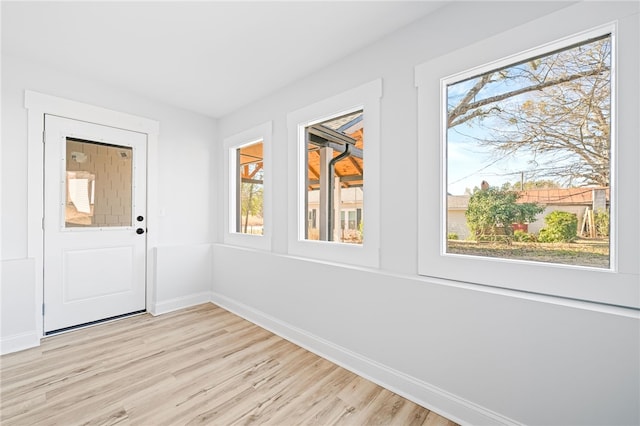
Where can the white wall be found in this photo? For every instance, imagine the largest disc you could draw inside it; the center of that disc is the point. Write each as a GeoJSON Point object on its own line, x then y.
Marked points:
{"type": "Point", "coordinates": [183, 189]}
{"type": "Point", "coordinates": [477, 354]}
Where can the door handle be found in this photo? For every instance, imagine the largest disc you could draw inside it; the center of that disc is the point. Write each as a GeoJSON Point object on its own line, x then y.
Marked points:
{"type": "Point", "coordinates": [139, 231]}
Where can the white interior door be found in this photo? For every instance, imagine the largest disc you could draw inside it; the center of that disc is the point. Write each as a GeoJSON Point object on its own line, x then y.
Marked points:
{"type": "Point", "coordinates": [94, 222]}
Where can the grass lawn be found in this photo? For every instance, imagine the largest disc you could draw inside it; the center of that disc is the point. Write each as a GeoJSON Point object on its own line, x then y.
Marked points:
{"type": "Point", "coordinates": [583, 252]}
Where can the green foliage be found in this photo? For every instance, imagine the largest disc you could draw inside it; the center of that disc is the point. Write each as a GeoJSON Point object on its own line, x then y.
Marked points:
{"type": "Point", "coordinates": [531, 184]}
{"type": "Point", "coordinates": [524, 237]}
{"type": "Point", "coordinates": [452, 236]}
{"type": "Point", "coordinates": [251, 201]}
{"type": "Point", "coordinates": [601, 219]}
{"type": "Point", "coordinates": [493, 208]}
{"type": "Point", "coordinates": [492, 238]}
{"type": "Point", "coordinates": [562, 227]}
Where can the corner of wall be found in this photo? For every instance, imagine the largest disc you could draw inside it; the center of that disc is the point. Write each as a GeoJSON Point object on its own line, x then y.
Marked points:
{"type": "Point", "coordinates": [18, 328]}
{"type": "Point", "coordinates": [182, 276]}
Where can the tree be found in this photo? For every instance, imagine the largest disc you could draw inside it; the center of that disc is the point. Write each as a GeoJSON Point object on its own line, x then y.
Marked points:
{"type": "Point", "coordinates": [251, 205]}
{"type": "Point", "coordinates": [251, 202]}
{"type": "Point", "coordinates": [531, 184]}
{"type": "Point", "coordinates": [554, 108]}
{"type": "Point", "coordinates": [492, 209]}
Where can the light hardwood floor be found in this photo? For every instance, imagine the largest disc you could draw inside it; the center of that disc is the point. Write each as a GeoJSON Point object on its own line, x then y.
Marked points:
{"type": "Point", "coordinates": [201, 365]}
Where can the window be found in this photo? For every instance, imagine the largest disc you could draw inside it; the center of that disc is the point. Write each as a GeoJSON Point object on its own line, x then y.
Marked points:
{"type": "Point", "coordinates": [528, 150]}
{"type": "Point", "coordinates": [495, 132]}
{"type": "Point", "coordinates": [335, 149]}
{"type": "Point", "coordinates": [247, 187]}
{"type": "Point", "coordinates": [335, 176]}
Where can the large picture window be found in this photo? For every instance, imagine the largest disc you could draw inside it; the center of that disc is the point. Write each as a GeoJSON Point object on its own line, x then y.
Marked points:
{"type": "Point", "coordinates": [528, 147]}
{"type": "Point", "coordinates": [528, 158]}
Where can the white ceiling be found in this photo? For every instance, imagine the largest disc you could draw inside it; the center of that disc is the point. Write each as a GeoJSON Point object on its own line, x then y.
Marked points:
{"type": "Point", "coordinates": [210, 57]}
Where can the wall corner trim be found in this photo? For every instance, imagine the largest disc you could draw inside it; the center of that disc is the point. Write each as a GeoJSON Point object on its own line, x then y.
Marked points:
{"type": "Point", "coordinates": [420, 392]}
{"type": "Point", "coordinates": [171, 305]}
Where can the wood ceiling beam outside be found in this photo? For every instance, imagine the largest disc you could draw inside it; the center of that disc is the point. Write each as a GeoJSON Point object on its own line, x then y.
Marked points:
{"type": "Point", "coordinates": [254, 181]}
{"type": "Point", "coordinates": [356, 165]}
{"type": "Point", "coordinates": [256, 170]}
{"type": "Point", "coordinates": [344, 179]}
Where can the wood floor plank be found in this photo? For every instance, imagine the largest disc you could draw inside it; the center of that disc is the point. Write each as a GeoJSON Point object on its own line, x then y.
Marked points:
{"type": "Point", "coordinates": [200, 365]}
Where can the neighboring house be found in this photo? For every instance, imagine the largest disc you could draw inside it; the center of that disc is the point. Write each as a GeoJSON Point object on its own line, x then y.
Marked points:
{"type": "Point", "coordinates": [456, 219]}
{"type": "Point", "coordinates": [572, 200]}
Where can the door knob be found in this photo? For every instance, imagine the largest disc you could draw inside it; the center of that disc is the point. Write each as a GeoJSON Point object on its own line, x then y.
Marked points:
{"type": "Point", "coordinates": [139, 231]}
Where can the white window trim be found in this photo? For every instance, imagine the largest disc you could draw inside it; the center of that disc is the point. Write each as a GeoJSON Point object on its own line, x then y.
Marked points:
{"type": "Point", "coordinates": [262, 132]}
{"type": "Point", "coordinates": [617, 286]}
{"type": "Point", "coordinates": [366, 97]}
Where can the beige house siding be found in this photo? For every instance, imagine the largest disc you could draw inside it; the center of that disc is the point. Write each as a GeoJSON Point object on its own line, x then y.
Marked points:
{"type": "Point", "coordinates": [457, 224]}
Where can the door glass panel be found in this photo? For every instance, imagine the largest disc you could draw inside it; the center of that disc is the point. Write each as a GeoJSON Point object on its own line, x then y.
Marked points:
{"type": "Point", "coordinates": [98, 184]}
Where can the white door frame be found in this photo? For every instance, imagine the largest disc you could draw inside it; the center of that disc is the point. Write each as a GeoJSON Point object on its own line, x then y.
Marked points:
{"type": "Point", "coordinates": [38, 104]}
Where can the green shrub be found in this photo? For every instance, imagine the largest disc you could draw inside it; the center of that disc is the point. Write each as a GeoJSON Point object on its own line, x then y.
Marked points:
{"type": "Point", "coordinates": [493, 238]}
{"type": "Point", "coordinates": [524, 237]}
{"type": "Point", "coordinates": [492, 211]}
{"type": "Point", "coordinates": [562, 227]}
{"type": "Point", "coordinates": [601, 218]}
{"type": "Point", "coordinates": [452, 236]}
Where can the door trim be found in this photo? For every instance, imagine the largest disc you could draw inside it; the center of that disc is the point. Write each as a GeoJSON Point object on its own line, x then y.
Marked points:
{"type": "Point", "coordinates": [39, 104]}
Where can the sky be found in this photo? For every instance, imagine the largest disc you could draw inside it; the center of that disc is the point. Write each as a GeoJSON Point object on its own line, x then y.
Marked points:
{"type": "Point", "coordinates": [468, 163]}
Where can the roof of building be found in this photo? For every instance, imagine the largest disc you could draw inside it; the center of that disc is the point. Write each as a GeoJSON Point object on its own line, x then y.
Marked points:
{"type": "Point", "coordinates": [458, 202]}
{"type": "Point", "coordinates": [546, 196]}
{"type": "Point", "coordinates": [561, 196]}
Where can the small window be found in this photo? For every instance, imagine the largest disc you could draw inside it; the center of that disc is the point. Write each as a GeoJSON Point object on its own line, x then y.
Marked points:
{"type": "Point", "coordinates": [247, 190]}
{"type": "Point", "coordinates": [334, 149]}
{"type": "Point", "coordinates": [335, 177]}
{"type": "Point", "coordinates": [250, 189]}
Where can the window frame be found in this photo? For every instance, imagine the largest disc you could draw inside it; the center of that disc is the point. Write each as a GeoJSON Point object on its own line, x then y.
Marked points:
{"type": "Point", "coordinates": [618, 285]}
{"type": "Point", "coordinates": [366, 97]}
{"type": "Point", "coordinates": [260, 133]}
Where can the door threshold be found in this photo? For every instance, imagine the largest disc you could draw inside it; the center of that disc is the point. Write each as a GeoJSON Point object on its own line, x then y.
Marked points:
{"type": "Point", "coordinates": [92, 323]}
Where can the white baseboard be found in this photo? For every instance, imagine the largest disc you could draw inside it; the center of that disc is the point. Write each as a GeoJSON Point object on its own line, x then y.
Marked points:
{"type": "Point", "coordinates": [19, 342]}
{"type": "Point", "coordinates": [170, 305]}
{"type": "Point", "coordinates": [420, 392]}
